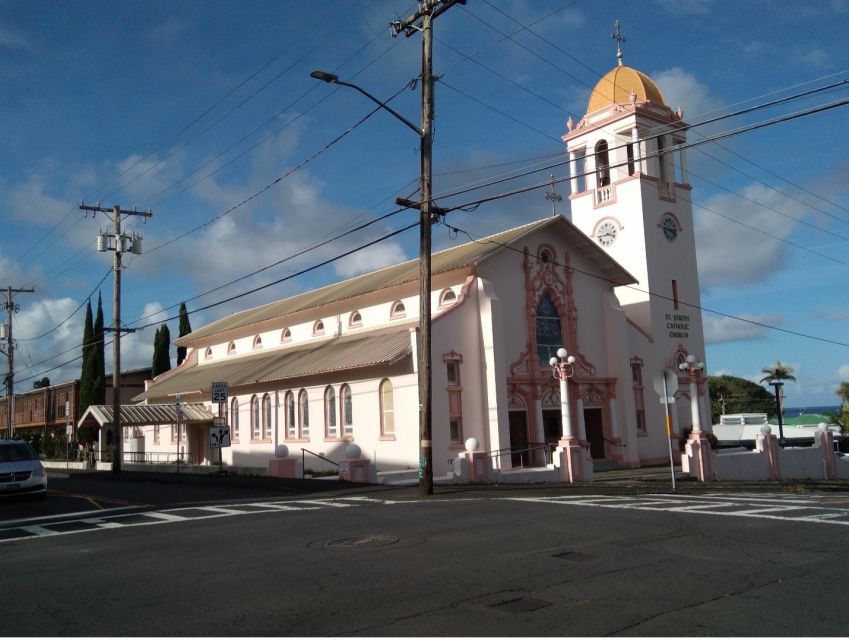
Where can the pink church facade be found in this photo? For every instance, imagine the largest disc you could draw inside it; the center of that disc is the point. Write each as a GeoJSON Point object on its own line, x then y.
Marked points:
{"type": "Point", "coordinates": [615, 282]}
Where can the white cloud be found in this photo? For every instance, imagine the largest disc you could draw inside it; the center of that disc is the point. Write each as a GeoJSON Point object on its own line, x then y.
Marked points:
{"type": "Point", "coordinates": [843, 372]}
{"type": "Point", "coordinates": [137, 347]}
{"type": "Point", "coordinates": [682, 89]}
{"type": "Point", "coordinates": [731, 253]}
{"type": "Point", "coordinates": [719, 330]}
{"type": "Point", "coordinates": [36, 359]}
{"type": "Point", "coordinates": [687, 7]}
{"type": "Point", "coordinates": [371, 259]}
{"type": "Point", "coordinates": [12, 40]}
{"type": "Point", "coordinates": [832, 313]}
{"type": "Point", "coordinates": [168, 31]}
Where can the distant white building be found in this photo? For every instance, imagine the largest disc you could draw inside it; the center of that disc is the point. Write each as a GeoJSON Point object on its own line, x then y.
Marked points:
{"type": "Point", "coordinates": [744, 428]}
{"type": "Point", "coordinates": [615, 282]}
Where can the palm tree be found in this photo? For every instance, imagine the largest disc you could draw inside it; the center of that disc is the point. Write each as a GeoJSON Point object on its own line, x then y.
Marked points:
{"type": "Point", "coordinates": [775, 376]}
{"type": "Point", "coordinates": [777, 373]}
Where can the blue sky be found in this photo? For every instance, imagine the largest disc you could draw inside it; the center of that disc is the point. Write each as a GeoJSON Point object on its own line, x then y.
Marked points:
{"type": "Point", "coordinates": [191, 108]}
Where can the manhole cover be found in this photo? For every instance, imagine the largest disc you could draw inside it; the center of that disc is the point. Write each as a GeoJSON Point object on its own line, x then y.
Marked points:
{"type": "Point", "coordinates": [360, 542]}
{"type": "Point", "coordinates": [521, 605]}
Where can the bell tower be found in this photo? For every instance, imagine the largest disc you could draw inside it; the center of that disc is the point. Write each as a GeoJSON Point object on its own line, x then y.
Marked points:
{"type": "Point", "coordinates": [629, 191]}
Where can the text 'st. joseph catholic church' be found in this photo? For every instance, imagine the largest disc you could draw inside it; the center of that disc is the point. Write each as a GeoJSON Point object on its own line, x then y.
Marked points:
{"type": "Point", "coordinates": [614, 282]}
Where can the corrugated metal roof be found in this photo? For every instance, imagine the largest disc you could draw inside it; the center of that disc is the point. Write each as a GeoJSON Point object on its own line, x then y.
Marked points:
{"type": "Point", "coordinates": [136, 415]}
{"type": "Point", "coordinates": [335, 354]}
{"type": "Point", "coordinates": [441, 261]}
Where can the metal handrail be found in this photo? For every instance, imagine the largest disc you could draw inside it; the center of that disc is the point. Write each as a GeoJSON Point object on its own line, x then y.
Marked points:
{"type": "Point", "coordinates": [317, 455]}
{"type": "Point", "coordinates": [547, 447]}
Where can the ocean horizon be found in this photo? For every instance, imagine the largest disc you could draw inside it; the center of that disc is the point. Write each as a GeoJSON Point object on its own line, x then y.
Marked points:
{"type": "Point", "coordinates": [818, 409]}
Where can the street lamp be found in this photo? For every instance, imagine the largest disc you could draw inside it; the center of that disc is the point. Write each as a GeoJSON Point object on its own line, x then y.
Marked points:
{"type": "Point", "coordinates": [777, 385]}
{"type": "Point", "coordinates": [562, 369]}
{"type": "Point", "coordinates": [425, 134]}
{"type": "Point", "coordinates": [693, 371]}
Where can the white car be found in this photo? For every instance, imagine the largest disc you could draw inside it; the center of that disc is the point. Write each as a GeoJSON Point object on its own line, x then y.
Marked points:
{"type": "Point", "coordinates": [21, 470]}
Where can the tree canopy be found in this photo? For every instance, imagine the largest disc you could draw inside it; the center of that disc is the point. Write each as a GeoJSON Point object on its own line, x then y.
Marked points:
{"type": "Point", "coordinates": [738, 395]}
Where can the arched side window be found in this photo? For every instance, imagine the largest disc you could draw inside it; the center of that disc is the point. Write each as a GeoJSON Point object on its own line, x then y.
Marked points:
{"type": "Point", "coordinates": [266, 417]}
{"type": "Point", "coordinates": [387, 410]}
{"type": "Point", "coordinates": [256, 426]}
{"type": "Point", "coordinates": [234, 419]}
{"type": "Point", "coordinates": [347, 404]}
{"type": "Point", "coordinates": [207, 355]}
{"type": "Point", "coordinates": [318, 328]}
{"type": "Point", "coordinates": [331, 425]}
{"type": "Point", "coordinates": [303, 414]}
{"type": "Point", "coordinates": [289, 403]}
{"type": "Point", "coordinates": [257, 342]}
{"type": "Point", "coordinates": [231, 348]}
{"type": "Point", "coordinates": [286, 336]}
{"type": "Point", "coordinates": [549, 339]}
{"type": "Point", "coordinates": [447, 298]}
{"type": "Point", "coordinates": [356, 319]}
{"type": "Point", "coordinates": [398, 310]}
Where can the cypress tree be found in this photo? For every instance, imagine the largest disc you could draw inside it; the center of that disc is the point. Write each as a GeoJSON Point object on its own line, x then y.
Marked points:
{"type": "Point", "coordinates": [185, 329]}
{"type": "Point", "coordinates": [164, 349]}
{"type": "Point", "coordinates": [100, 356]}
{"type": "Point", "coordinates": [86, 389]}
{"type": "Point", "coordinates": [154, 363]}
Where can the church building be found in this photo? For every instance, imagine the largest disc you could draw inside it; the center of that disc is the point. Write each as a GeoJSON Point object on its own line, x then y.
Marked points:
{"type": "Point", "coordinates": [614, 281]}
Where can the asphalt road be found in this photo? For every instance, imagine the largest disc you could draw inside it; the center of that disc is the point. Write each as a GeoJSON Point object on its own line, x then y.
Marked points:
{"type": "Point", "coordinates": [201, 560]}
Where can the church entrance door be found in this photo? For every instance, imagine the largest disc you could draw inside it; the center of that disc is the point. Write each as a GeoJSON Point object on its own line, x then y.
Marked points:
{"type": "Point", "coordinates": [518, 438]}
{"type": "Point", "coordinates": [595, 432]}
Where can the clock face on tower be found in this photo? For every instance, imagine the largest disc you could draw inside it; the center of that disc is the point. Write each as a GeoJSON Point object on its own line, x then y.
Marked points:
{"type": "Point", "coordinates": [606, 234]}
{"type": "Point", "coordinates": [670, 228]}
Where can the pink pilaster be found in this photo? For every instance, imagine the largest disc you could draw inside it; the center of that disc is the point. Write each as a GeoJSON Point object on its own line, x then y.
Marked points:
{"type": "Point", "coordinates": [479, 466]}
{"type": "Point", "coordinates": [825, 441]}
{"type": "Point", "coordinates": [354, 470]}
{"type": "Point", "coordinates": [283, 467]}
{"type": "Point", "coordinates": [575, 461]}
{"type": "Point", "coordinates": [700, 465]}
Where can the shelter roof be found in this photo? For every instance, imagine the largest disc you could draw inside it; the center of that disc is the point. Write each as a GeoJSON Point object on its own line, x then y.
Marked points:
{"type": "Point", "coordinates": [137, 415]}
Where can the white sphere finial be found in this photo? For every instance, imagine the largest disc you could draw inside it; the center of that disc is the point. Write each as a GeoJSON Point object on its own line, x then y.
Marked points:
{"type": "Point", "coordinates": [472, 444]}
{"type": "Point", "coordinates": [553, 361]}
{"type": "Point", "coordinates": [691, 358]}
{"type": "Point", "coordinates": [282, 451]}
{"type": "Point", "coordinates": [352, 451]}
{"type": "Point", "coordinates": [766, 429]}
{"type": "Point", "coordinates": [562, 353]}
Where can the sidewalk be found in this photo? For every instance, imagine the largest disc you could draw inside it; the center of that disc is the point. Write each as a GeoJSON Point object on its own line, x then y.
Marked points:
{"type": "Point", "coordinates": [618, 482]}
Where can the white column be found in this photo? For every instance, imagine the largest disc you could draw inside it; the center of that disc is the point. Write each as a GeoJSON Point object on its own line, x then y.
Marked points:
{"type": "Point", "coordinates": [682, 160]}
{"type": "Point", "coordinates": [638, 156]}
{"type": "Point", "coordinates": [573, 173]}
{"type": "Point", "coordinates": [694, 406]}
{"type": "Point", "coordinates": [565, 416]}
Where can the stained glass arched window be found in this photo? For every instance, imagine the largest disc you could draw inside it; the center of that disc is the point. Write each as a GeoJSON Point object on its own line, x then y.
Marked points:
{"type": "Point", "coordinates": [549, 339]}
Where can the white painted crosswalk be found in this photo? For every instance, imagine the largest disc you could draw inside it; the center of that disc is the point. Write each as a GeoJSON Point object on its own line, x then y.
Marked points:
{"type": "Point", "coordinates": [814, 509]}
{"type": "Point", "coordinates": [21, 530]}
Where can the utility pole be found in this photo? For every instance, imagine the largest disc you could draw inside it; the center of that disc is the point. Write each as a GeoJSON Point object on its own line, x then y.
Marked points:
{"type": "Point", "coordinates": [118, 243]}
{"type": "Point", "coordinates": [422, 21]}
{"type": "Point", "coordinates": [11, 308]}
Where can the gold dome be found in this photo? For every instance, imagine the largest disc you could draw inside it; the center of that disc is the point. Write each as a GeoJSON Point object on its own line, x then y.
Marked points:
{"type": "Point", "coordinates": [616, 88]}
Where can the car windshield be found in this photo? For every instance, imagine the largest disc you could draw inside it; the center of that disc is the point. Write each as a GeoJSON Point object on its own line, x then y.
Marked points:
{"type": "Point", "coordinates": [15, 452]}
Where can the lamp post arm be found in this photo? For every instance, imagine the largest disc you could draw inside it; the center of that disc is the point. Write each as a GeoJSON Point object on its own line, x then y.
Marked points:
{"type": "Point", "coordinates": [382, 105]}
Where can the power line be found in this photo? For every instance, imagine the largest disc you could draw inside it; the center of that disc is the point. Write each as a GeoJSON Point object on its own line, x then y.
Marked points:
{"type": "Point", "coordinates": [764, 325]}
